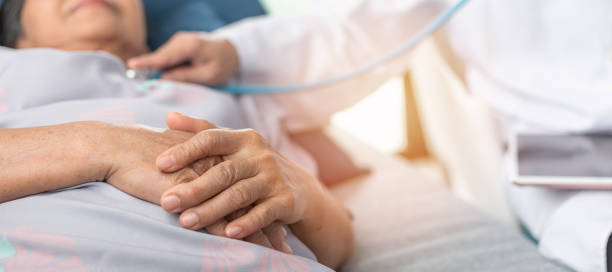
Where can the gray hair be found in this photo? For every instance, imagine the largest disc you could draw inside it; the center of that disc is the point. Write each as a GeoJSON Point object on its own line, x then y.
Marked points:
{"type": "Point", "coordinates": [10, 22]}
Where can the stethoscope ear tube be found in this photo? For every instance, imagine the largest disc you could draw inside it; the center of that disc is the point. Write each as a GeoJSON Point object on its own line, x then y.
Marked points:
{"type": "Point", "coordinates": [263, 89]}
{"type": "Point", "coordinates": [428, 30]}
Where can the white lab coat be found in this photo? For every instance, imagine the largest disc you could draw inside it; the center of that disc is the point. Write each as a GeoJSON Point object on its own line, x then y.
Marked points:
{"type": "Point", "coordinates": [338, 37]}
{"type": "Point", "coordinates": [314, 46]}
{"type": "Point", "coordinates": [541, 64]}
{"type": "Point", "coordinates": [547, 66]}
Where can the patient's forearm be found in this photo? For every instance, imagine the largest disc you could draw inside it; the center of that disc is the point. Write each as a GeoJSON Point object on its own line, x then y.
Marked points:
{"type": "Point", "coordinates": [327, 230]}
{"type": "Point", "coordinates": [35, 160]}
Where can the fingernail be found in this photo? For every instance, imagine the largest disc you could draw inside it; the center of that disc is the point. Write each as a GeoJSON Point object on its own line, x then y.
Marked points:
{"type": "Point", "coordinates": [166, 162]}
{"type": "Point", "coordinates": [287, 248]}
{"type": "Point", "coordinates": [233, 231]}
{"type": "Point", "coordinates": [189, 220]}
{"type": "Point", "coordinates": [132, 62]}
{"type": "Point", "coordinates": [171, 203]}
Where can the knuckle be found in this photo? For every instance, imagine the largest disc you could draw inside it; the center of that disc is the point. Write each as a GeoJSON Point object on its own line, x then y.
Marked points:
{"type": "Point", "coordinates": [185, 176]}
{"type": "Point", "coordinates": [194, 43]}
{"type": "Point", "coordinates": [226, 172]}
{"type": "Point", "coordinates": [241, 196]}
{"type": "Point", "coordinates": [268, 158]}
{"type": "Point", "coordinates": [199, 140]}
{"type": "Point", "coordinates": [193, 147]}
{"type": "Point", "coordinates": [183, 149]}
{"type": "Point", "coordinates": [189, 39]}
{"type": "Point", "coordinates": [252, 135]}
{"type": "Point", "coordinates": [268, 174]}
{"type": "Point", "coordinates": [267, 215]}
{"type": "Point", "coordinates": [271, 171]}
{"type": "Point", "coordinates": [189, 192]}
{"type": "Point", "coordinates": [257, 220]}
{"type": "Point", "coordinates": [201, 166]}
{"type": "Point", "coordinates": [203, 138]}
{"type": "Point", "coordinates": [289, 202]}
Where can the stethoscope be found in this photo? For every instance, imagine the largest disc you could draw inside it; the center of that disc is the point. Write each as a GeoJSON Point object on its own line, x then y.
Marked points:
{"type": "Point", "coordinates": [262, 89]}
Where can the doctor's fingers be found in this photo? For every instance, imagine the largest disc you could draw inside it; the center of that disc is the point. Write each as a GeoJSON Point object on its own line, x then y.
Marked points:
{"type": "Point", "coordinates": [216, 63]}
{"type": "Point", "coordinates": [210, 73]}
{"type": "Point", "coordinates": [215, 180]}
{"type": "Point", "coordinates": [181, 48]}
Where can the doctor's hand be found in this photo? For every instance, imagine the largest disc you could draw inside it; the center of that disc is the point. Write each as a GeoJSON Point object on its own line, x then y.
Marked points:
{"type": "Point", "coordinates": [193, 58]}
{"type": "Point", "coordinates": [252, 175]}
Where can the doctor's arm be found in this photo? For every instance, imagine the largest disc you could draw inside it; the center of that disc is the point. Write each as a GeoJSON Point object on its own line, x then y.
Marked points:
{"type": "Point", "coordinates": [289, 50]}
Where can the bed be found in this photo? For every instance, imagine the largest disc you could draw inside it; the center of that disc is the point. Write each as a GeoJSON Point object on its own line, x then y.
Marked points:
{"type": "Point", "coordinates": [405, 221]}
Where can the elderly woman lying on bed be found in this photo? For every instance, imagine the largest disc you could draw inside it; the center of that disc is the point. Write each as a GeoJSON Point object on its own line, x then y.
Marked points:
{"type": "Point", "coordinates": [66, 167]}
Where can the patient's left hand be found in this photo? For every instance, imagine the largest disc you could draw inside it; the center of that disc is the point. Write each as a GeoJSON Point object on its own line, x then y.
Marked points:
{"type": "Point", "coordinates": [253, 173]}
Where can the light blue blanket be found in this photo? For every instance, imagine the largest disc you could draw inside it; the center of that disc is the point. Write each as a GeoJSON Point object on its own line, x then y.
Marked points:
{"type": "Point", "coordinates": [95, 227]}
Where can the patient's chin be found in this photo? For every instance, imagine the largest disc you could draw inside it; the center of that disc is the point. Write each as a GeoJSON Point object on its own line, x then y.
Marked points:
{"type": "Point", "coordinates": [99, 29]}
{"type": "Point", "coordinates": [94, 20]}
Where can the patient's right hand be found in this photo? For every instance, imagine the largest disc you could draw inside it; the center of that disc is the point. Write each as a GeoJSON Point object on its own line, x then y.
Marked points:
{"type": "Point", "coordinates": [130, 154]}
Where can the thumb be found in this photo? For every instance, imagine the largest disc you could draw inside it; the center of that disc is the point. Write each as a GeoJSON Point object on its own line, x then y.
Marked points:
{"type": "Point", "coordinates": [177, 121]}
{"type": "Point", "coordinates": [180, 49]}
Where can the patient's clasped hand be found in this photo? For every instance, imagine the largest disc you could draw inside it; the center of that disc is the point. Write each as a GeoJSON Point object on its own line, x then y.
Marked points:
{"type": "Point", "coordinates": [57, 133]}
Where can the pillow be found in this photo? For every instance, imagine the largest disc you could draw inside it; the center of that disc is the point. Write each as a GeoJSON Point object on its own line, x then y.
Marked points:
{"type": "Point", "coordinates": [164, 18]}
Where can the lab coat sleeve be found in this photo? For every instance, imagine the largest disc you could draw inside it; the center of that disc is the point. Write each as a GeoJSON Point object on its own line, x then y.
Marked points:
{"type": "Point", "coordinates": [577, 233]}
{"type": "Point", "coordinates": [327, 42]}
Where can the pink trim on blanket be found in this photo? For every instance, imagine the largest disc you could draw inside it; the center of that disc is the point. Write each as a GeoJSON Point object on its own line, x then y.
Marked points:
{"type": "Point", "coordinates": [17, 258]}
{"type": "Point", "coordinates": [229, 256]}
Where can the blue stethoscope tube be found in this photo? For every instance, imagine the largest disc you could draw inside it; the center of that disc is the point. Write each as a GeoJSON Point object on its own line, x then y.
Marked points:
{"type": "Point", "coordinates": [428, 30]}
{"type": "Point", "coordinates": [262, 89]}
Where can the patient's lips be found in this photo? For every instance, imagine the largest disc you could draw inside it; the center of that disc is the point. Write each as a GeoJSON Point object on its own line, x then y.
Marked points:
{"type": "Point", "coordinates": [88, 3]}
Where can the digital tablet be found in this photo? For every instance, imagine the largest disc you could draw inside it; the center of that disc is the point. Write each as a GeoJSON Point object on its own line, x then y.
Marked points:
{"type": "Point", "coordinates": [577, 161]}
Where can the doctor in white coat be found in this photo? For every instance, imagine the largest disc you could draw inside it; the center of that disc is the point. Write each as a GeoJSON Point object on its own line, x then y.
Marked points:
{"type": "Point", "coordinates": [541, 65]}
